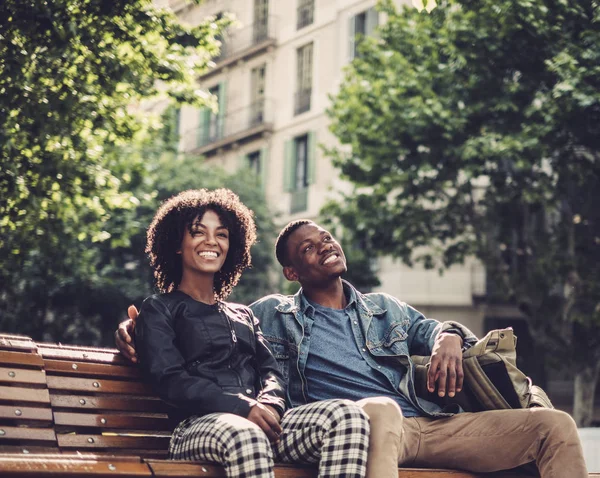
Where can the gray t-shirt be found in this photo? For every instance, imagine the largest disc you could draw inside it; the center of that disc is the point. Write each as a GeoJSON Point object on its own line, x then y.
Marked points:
{"type": "Point", "coordinates": [335, 366]}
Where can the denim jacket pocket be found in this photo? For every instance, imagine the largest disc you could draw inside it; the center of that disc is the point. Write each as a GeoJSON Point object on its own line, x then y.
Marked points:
{"type": "Point", "coordinates": [394, 339]}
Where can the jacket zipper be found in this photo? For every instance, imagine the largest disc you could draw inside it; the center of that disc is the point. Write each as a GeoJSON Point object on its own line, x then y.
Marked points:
{"type": "Point", "coordinates": [234, 340]}
{"type": "Point", "coordinates": [300, 373]}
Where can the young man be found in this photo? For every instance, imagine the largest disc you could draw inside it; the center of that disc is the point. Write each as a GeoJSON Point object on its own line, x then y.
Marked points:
{"type": "Point", "coordinates": [332, 341]}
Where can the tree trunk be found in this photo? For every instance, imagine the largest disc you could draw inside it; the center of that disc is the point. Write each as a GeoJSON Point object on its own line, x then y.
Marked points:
{"type": "Point", "coordinates": [583, 399]}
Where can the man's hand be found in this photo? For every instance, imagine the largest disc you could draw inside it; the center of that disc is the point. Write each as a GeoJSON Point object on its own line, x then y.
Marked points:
{"type": "Point", "coordinates": [446, 367]}
{"type": "Point", "coordinates": [267, 418]}
{"type": "Point", "coordinates": [123, 334]}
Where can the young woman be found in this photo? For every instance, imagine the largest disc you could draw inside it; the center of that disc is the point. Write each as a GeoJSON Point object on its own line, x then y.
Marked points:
{"type": "Point", "coordinates": [208, 359]}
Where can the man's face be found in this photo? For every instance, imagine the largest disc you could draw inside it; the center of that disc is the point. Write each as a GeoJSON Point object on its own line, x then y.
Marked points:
{"type": "Point", "coordinates": [315, 256]}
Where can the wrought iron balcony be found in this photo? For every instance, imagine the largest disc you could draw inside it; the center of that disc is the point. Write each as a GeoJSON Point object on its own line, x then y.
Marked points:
{"type": "Point", "coordinates": [245, 43]}
{"type": "Point", "coordinates": [236, 126]}
{"type": "Point", "coordinates": [302, 101]}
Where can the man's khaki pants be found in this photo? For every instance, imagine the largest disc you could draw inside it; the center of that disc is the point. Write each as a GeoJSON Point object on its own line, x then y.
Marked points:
{"type": "Point", "coordinates": [480, 442]}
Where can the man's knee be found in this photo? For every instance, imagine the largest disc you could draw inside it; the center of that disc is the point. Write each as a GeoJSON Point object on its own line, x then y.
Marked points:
{"type": "Point", "coordinates": [382, 410]}
{"type": "Point", "coordinates": [553, 420]}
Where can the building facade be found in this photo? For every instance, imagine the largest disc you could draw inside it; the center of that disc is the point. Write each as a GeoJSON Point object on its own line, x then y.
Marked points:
{"type": "Point", "coordinates": [272, 81]}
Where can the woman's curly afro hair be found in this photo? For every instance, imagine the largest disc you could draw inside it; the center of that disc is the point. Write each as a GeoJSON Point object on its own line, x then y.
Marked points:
{"type": "Point", "coordinates": [178, 213]}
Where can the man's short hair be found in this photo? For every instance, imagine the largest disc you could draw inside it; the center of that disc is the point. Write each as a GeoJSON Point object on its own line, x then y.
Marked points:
{"type": "Point", "coordinates": [282, 239]}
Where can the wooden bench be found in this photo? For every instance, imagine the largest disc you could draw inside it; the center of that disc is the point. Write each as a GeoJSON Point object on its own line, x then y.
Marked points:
{"type": "Point", "coordinates": [83, 411]}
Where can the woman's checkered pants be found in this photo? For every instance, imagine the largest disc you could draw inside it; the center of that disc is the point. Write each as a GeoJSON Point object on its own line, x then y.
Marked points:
{"type": "Point", "coordinates": [332, 433]}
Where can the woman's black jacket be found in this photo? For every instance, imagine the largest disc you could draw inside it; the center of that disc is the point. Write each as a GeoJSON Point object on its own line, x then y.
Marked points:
{"type": "Point", "coordinates": [203, 358]}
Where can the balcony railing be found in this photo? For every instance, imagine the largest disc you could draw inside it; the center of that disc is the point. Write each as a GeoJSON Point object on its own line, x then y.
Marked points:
{"type": "Point", "coordinates": [299, 200]}
{"type": "Point", "coordinates": [238, 41]}
{"type": "Point", "coordinates": [302, 101]}
{"type": "Point", "coordinates": [234, 126]}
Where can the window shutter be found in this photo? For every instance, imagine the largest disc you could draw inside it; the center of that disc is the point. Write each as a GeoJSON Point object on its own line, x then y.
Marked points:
{"type": "Point", "coordinates": [264, 163]}
{"type": "Point", "coordinates": [372, 21]}
{"type": "Point", "coordinates": [203, 125]}
{"type": "Point", "coordinates": [176, 122]}
{"type": "Point", "coordinates": [351, 37]}
{"type": "Point", "coordinates": [312, 157]}
{"type": "Point", "coordinates": [222, 109]}
{"type": "Point", "coordinates": [288, 167]}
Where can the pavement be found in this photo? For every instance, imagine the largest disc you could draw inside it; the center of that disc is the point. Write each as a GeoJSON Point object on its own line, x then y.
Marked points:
{"type": "Point", "coordinates": [590, 440]}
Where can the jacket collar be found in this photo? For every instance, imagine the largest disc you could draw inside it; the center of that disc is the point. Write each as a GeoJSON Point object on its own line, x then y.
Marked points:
{"type": "Point", "coordinates": [299, 302]}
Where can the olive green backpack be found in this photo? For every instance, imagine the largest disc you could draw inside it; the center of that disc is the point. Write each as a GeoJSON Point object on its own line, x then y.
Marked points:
{"type": "Point", "coordinates": [492, 380]}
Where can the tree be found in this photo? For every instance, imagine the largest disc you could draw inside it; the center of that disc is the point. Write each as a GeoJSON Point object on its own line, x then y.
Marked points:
{"type": "Point", "coordinates": [86, 307]}
{"type": "Point", "coordinates": [475, 130]}
{"type": "Point", "coordinates": [71, 75]}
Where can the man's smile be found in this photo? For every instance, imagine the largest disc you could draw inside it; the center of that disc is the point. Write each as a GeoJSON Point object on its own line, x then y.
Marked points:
{"type": "Point", "coordinates": [332, 257]}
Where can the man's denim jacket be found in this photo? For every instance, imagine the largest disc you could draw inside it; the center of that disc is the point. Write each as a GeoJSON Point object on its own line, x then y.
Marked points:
{"type": "Point", "coordinates": [393, 332]}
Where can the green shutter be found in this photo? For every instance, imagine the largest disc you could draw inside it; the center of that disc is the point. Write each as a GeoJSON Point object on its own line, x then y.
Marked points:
{"type": "Point", "coordinates": [177, 124]}
{"type": "Point", "coordinates": [203, 126]}
{"type": "Point", "coordinates": [351, 37]}
{"type": "Point", "coordinates": [312, 157]}
{"type": "Point", "coordinates": [372, 21]}
{"type": "Point", "coordinates": [222, 109]}
{"type": "Point", "coordinates": [289, 172]}
{"type": "Point", "coordinates": [264, 168]}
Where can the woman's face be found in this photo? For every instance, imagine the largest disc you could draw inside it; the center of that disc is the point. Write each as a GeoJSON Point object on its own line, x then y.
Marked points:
{"type": "Point", "coordinates": [205, 245]}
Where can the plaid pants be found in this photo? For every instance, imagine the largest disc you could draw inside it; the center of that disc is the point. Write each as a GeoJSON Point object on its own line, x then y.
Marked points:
{"type": "Point", "coordinates": [332, 433]}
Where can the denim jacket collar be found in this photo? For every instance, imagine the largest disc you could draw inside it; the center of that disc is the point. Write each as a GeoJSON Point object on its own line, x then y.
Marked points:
{"type": "Point", "coordinates": [300, 303]}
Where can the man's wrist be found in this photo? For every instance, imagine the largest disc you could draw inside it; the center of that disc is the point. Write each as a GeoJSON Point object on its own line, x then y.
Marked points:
{"type": "Point", "coordinates": [453, 334]}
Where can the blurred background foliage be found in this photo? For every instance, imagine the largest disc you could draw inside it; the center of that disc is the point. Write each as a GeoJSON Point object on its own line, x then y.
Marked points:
{"type": "Point", "coordinates": [83, 167]}
{"type": "Point", "coordinates": [475, 130]}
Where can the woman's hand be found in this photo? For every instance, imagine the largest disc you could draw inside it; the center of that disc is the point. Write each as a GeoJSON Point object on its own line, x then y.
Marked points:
{"type": "Point", "coordinates": [123, 335]}
{"type": "Point", "coordinates": [267, 419]}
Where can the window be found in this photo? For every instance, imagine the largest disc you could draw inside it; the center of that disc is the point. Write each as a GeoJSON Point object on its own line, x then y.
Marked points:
{"type": "Point", "coordinates": [253, 162]}
{"type": "Point", "coordinates": [360, 26]}
{"type": "Point", "coordinates": [223, 50]}
{"type": "Point", "coordinates": [301, 155]}
{"type": "Point", "coordinates": [306, 12]}
{"type": "Point", "coordinates": [304, 79]}
{"type": "Point", "coordinates": [261, 21]}
{"type": "Point", "coordinates": [299, 169]}
{"type": "Point", "coordinates": [257, 94]}
{"type": "Point", "coordinates": [212, 125]}
{"type": "Point", "coordinates": [256, 161]}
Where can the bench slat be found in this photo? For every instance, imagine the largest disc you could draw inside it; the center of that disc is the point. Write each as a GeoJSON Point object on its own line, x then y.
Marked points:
{"type": "Point", "coordinates": [92, 369]}
{"type": "Point", "coordinates": [158, 454]}
{"type": "Point", "coordinates": [20, 433]}
{"type": "Point", "coordinates": [24, 450]}
{"type": "Point", "coordinates": [87, 442]}
{"type": "Point", "coordinates": [45, 466]}
{"type": "Point", "coordinates": [147, 405]}
{"type": "Point", "coordinates": [20, 358]}
{"type": "Point", "coordinates": [21, 375]}
{"type": "Point", "coordinates": [81, 354]}
{"type": "Point", "coordinates": [21, 394]}
{"type": "Point", "coordinates": [165, 468]}
{"type": "Point", "coordinates": [17, 342]}
{"type": "Point", "coordinates": [98, 385]}
{"type": "Point", "coordinates": [112, 421]}
{"type": "Point", "coordinates": [17, 412]}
